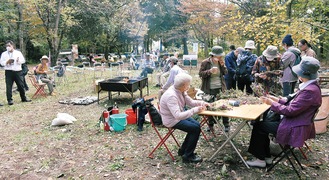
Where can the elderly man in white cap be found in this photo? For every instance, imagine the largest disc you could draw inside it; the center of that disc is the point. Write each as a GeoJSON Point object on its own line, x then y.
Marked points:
{"type": "Point", "coordinates": [245, 63]}
{"type": "Point", "coordinates": [42, 71]}
{"type": "Point", "coordinates": [12, 61]}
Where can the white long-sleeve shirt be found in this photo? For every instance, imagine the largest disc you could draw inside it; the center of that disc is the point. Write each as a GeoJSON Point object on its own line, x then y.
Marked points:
{"type": "Point", "coordinates": [173, 72]}
{"type": "Point", "coordinates": [18, 58]}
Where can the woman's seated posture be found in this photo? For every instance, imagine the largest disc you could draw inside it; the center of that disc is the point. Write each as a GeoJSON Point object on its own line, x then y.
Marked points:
{"type": "Point", "coordinates": [296, 115]}
{"type": "Point", "coordinates": [42, 71]}
{"type": "Point", "coordinates": [175, 115]}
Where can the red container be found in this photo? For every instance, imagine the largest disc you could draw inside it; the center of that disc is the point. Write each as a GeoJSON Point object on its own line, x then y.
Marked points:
{"type": "Point", "coordinates": [115, 111]}
{"type": "Point", "coordinates": [106, 114]}
{"type": "Point", "coordinates": [131, 116]}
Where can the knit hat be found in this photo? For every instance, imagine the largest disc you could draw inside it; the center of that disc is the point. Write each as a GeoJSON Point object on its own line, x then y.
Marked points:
{"type": "Point", "coordinates": [288, 40]}
{"type": "Point", "coordinates": [271, 52]}
{"type": "Point", "coordinates": [307, 68]}
{"type": "Point", "coordinates": [217, 51]}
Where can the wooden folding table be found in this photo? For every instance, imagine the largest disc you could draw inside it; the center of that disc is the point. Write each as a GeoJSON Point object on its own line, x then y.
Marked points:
{"type": "Point", "coordinates": [245, 112]}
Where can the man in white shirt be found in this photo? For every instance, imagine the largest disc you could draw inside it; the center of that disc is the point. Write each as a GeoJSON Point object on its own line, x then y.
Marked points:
{"type": "Point", "coordinates": [12, 60]}
{"type": "Point", "coordinates": [175, 69]}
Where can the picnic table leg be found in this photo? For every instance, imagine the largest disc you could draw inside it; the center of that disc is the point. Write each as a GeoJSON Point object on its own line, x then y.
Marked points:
{"type": "Point", "coordinates": [237, 130]}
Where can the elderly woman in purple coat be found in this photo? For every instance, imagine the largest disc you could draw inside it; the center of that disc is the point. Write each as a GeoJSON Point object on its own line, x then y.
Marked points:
{"type": "Point", "coordinates": [297, 111]}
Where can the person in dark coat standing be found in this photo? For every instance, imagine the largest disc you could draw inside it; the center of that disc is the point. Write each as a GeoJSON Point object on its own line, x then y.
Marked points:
{"type": "Point", "coordinates": [230, 62]}
{"type": "Point", "coordinates": [212, 73]}
{"type": "Point", "coordinates": [296, 125]}
{"type": "Point", "coordinates": [245, 62]}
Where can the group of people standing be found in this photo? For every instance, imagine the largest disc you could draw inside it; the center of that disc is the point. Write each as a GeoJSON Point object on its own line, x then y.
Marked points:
{"type": "Point", "coordinates": [239, 69]}
{"type": "Point", "coordinates": [271, 69]}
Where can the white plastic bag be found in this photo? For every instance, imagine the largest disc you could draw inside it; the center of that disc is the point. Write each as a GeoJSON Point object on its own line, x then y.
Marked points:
{"type": "Point", "coordinates": [60, 121]}
{"type": "Point", "coordinates": [66, 116]}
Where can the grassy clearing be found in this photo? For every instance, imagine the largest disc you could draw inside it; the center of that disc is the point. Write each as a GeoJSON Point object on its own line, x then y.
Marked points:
{"type": "Point", "coordinates": [32, 149]}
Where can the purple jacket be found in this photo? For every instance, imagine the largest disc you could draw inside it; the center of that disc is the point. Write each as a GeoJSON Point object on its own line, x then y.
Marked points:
{"type": "Point", "coordinates": [297, 125]}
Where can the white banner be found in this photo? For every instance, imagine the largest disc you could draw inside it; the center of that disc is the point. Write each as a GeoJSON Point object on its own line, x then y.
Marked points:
{"type": "Point", "coordinates": [195, 48]}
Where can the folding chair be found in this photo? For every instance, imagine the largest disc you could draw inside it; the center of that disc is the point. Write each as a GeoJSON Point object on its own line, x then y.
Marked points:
{"type": "Point", "coordinates": [98, 67]}
{"type": "Point", "coordinates": [60, 78]}
{"type": "Point", "coordinates": [40, 87]}
{"type": "Point", "coordinates": [163, 139]}
{"type": "Point", "coordinates": [194, 62]}
{"type": "Point", "coordinates": [203, 122]}
{"type": "Point", "coordinates": [186, 63]}
{"type": "Point", "coordinates": [78, 72]}
{"type": "Point", "coordinates": [287, 150]}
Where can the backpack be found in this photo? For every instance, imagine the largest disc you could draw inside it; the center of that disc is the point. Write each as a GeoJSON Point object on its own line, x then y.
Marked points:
{"type": "Point", "coordinates": [242, 63]}
{"type": "Point", "coordinates": [153, 112]}
{"type": "Point", "coordinates": [298, 57]}
{"type": "Point", "coordinates": [25, 69]}
{"type": "Point", "coordinates": [297, 61]}
{"type": "Point", "coordinates": [61, 71]}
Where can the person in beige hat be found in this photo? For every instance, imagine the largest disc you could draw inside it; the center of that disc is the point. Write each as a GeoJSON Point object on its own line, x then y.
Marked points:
{"type": "Point", "coordinates": [266, 69]}
{"type": "Point", "coordinates": [42, 71]}
{"type": "Point", "coordinates": [212, 73]}
{"type": "Point", "coordinates": [250, 44]}
{"type": "Point", "coordinates": [245, 63]}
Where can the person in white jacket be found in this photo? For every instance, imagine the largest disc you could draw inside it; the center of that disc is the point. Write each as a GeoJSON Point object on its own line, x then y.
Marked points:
{"type": "Point", "coordinates": [12, 61]}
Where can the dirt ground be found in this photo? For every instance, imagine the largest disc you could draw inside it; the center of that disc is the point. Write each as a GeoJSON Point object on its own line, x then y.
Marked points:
{"type": "Point", "coordinates": [32, 149]}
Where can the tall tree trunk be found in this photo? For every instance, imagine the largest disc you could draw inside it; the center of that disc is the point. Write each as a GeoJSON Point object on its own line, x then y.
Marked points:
{"type": "Point", "coordinates": [185, 45]}
{"type": "Point", "coordinates": [58, 15]}
{"type": "Point", "coordinates": [289, 11]}
{"type": "Point", "coordinates": [20, 27]}
{"type": "Point", "coordinates": [206, 46]}
{"type": "Point", "coordinates": [107, 44]}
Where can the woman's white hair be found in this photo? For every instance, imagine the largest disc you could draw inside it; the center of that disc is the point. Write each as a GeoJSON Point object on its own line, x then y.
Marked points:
{"type": "Point", "coordinates": [181, 79]}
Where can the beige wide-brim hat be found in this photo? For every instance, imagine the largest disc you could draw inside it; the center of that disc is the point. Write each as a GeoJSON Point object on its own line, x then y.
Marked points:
{"type": "Point", "coordinates": [250, 44]}
{"type": "Point", "coordinates": [44, 57]}
{"type": "Point", "coordinates": [271, 52]}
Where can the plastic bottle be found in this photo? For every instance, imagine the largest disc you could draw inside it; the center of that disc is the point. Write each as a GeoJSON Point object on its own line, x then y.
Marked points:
{"type": "Point", "coordinates": [115, 109]}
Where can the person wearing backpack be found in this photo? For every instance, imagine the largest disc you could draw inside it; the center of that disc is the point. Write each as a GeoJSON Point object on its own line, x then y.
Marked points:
{"type": "Point", "coordinates": [245, 63]}
{"type": "Point", "coordinates": [290, 58]}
